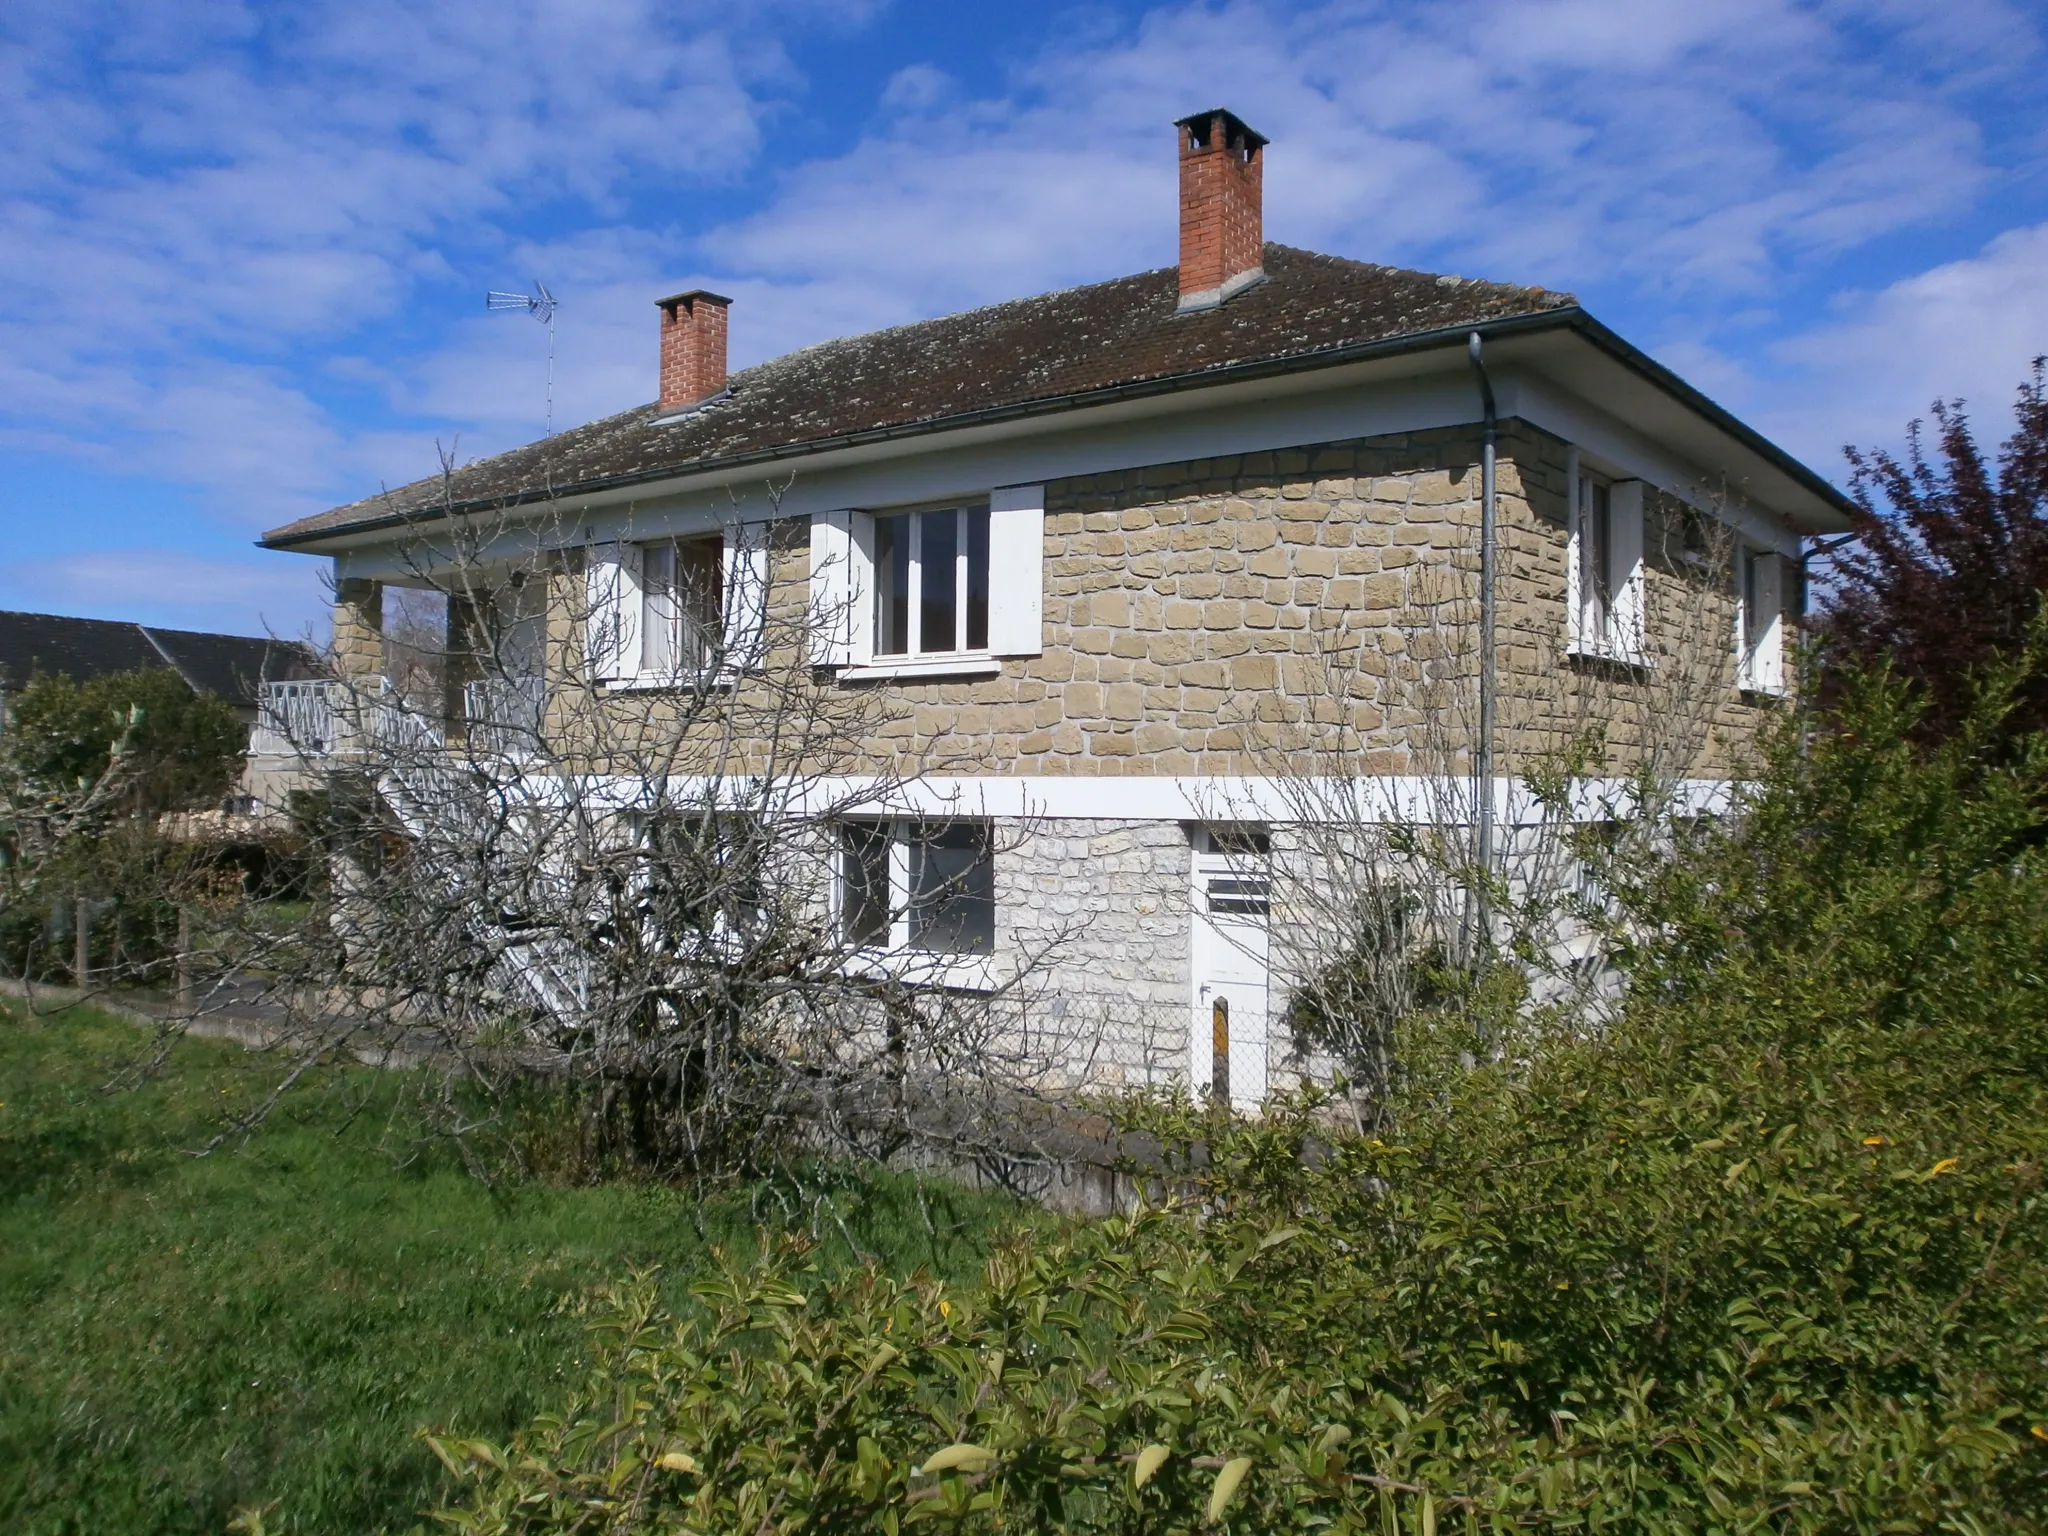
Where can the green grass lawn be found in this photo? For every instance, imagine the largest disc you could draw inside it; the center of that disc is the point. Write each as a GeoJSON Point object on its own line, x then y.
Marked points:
{"type": "Point", "coordinates": [183, 1336]}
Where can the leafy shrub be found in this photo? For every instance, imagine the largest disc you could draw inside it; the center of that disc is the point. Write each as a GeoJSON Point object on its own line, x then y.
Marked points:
{"type": "Point", "coordinates": [1950, 562]}
{"type": "Point", "coordinates": [86, 771]}
{"type": "Point", "coordinates": [1767, 1252]}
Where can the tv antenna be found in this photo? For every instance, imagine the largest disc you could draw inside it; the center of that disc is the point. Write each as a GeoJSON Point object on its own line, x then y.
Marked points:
{"type": "Point", "coordinates": [541, 305]}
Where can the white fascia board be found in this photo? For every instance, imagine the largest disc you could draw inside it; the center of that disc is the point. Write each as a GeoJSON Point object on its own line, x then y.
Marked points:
{"type": "Point", "coordinates": [1413, 393]}
{"type": "Point", "coordinates": [1262, 416]}
{"type": "Point", "coordinates": [1613, 447]}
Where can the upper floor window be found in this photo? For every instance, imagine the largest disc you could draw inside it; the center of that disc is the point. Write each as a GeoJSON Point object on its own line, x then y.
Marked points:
{"type": "Point", "coordinates": [1604, 574]}
{"type": "Point", "coordinates": [681, 591]}
{"type": "Point", "coordinates": [940, 591]}
{"type": "Point", "coordinates": [677, 611]}
{"type": "Point", "coordinates": [931, 582]}
{"type": "Point", "coordinates": [1760, 619]}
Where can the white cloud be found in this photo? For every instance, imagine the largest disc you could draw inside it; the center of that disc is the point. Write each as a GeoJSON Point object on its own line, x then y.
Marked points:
{"type": "Point", "coordinates": [266, 595]}
{"type": "Point", "coordinates": [187, 210]}
{"type": "Point", "coordinates": [218, 219]}
{"type": "Point", "coordinates": [1659, 144]}
{"type": "Point", "coordinates": [1966, 329]}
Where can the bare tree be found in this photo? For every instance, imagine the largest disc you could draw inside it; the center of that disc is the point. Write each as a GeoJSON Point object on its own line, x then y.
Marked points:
{"type": "Point", "coordinates": [644, 857]}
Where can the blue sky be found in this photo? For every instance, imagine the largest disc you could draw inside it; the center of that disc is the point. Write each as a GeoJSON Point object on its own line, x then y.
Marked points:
{"type": "Point", "coordinates": [245, 247]}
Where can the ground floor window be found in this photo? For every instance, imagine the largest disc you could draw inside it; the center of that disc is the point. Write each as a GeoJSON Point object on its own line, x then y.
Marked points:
{"type": "Point", "coordinates": [918, 885]}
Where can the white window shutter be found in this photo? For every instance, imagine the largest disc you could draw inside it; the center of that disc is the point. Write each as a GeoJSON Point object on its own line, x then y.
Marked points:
{"type": "Point", "coordinates": [1575, 643]}
{"type": "Point", "coordinates": [842, 585]}
{"type": "Point", "coordinates": [746, 593]}
{"type": "Point", "coordinates": [1630, 640]}
{"type": "Point", "coordinates": [1767, 664]}
{"type": "Point", "coordinates": [1016, 570]}
{"type": "Point", "coordinates": [612, 620]}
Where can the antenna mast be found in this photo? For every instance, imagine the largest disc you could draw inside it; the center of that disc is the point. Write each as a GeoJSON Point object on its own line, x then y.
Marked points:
{"type": "Point", "coordinates": [541, 305]}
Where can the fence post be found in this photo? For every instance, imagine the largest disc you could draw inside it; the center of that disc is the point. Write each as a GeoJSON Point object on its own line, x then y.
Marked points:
{"type": "Point", "coordinates": [81, 946]}
{"type": "Point", "coordinates": [1219, 1051]}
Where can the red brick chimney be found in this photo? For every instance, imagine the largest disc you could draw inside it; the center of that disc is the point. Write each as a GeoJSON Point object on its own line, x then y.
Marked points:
{"type": "Point", "coordinates": [692, 348]}
{"type": "Point", "coordinates": [1222, 231]}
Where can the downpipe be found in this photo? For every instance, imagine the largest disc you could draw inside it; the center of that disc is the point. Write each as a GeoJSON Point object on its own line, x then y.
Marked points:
{"type": "Point", "coordinates": [1482, 757]}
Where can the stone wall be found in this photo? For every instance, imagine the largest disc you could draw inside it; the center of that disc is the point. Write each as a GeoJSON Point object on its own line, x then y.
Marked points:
{"type": "Point", "coordinates": [1105, 903]}
{"type": "Point", "coordinates": [1241, 614]}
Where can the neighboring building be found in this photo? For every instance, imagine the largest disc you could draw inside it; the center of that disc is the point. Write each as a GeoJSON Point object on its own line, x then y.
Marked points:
{"type": "Point", "coordinates": [1094, 541]}
{"type": "Point", "coordinates": [233, 668]}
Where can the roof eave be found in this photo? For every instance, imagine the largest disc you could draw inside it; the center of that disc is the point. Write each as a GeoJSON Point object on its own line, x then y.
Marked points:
{"type": "Point", "coordinates": [1638, 361]}
{"type": "Point", "coordinates": [1165, 384]}
{"type": "Point", "coordinates": [1571, 317]}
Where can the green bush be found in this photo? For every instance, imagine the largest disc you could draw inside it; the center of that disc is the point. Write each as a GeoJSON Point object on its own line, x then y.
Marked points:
{"type": "Point", "coordinates": [1765, 1251]}
{"type": "Point", "coordinates": [86, 772]}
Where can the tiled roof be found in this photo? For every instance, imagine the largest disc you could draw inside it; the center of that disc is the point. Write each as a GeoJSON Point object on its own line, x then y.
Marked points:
{"type": "Point", "coordinates": [230, 666]}
{"type": "Point", "coordinates": [1050, 348]}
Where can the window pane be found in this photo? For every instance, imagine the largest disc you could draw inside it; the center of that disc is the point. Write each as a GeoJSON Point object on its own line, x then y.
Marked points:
{"type": "Point", "coordinates": [953, 889]}
{"type": "Point", "coordinates": [938, 550]}
{"type": "Point", "coordinates": [658, 614]}
{"type": "Point", "coordinates": [1595, 532]}
{"type": "Point", "coordinates": [700, 583]}
{"type": "Point", "coordinates": [977, 579]}
{"type": "Point", "coordinates": [892, 585]}
{"type": "Point", "coordinates": [864, 883]}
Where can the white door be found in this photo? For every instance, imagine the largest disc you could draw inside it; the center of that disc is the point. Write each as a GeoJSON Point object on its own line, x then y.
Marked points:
{"type": "Point", "coordinates": [1229, 965]}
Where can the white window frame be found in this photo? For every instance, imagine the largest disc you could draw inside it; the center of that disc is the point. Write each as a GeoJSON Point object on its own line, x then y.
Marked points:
{"type": "Point", "coordinates": [1617, 631]}
{"type": "Point", "coordinates": [846, 588]}
{"type": "Point", "coordinates": [624, 603]}
{"type": "Point", "coordinates": [665, 640]}
{"type": "Point", "coordinates": [918, 573]}
{"type": "Point", "coordinates": [903, 833]}
{"type": "Point", "coordinates": [1759, 619]}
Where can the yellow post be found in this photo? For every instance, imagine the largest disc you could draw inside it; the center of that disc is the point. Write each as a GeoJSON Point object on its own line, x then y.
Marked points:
{"type": "Point", "coordinates": [1219, 1051]}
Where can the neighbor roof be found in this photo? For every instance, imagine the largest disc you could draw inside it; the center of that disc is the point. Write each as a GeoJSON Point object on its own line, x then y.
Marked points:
{"type": "Point", "coordinates": [1056, 347]}
{"type": "Point", "coordinates": [229, 666]}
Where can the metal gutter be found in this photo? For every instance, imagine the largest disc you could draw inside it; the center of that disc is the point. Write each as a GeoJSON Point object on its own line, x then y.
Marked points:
{"type": "Point", "coordinates": [1569, 317]}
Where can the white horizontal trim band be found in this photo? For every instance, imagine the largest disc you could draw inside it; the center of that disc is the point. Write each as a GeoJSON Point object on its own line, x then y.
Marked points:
{"type": "Point", "coordinates": [1405, 800]}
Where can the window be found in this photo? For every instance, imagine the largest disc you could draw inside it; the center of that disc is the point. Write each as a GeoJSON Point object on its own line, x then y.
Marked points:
{"type": "Point", "coordinates": [702, 872]}
{"type": "Point", "coordinates": [938, 593]}
{"type": "Point", "coordinates": [918, 885]}
{"type": "Point", "coordinates": [1596, 540]}
{"type": "Point", "coordinates": [1233, 869]}
{"type": "Point", "coordinates": [1604, 574]}
{"type": "Point", "coordinates": [1759, 606]}
{"type": "Point", "coordinates": [675, 610]}
{"type": "Point", "coordinates": [931, 582]}
{"type": "Point", "coordinates": [681, 584]}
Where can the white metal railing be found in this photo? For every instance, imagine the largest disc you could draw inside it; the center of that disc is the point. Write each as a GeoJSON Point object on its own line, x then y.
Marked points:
{"type": "Point", "coordinates": [503, 714]}
{"type": "Point", "coordinates": [296, 719]}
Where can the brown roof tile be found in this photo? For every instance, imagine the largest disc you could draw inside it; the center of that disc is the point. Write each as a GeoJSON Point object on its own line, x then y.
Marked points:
{"type": "Point", "coordinates": [1049, 348]}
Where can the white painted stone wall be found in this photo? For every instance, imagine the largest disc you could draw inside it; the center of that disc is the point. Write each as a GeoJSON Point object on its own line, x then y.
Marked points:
{"type": "Point", "coordinates": [1109, 902]}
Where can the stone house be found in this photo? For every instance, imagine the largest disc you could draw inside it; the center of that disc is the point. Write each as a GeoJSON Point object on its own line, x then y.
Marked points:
{"type": "Point", "coordinates": [1125, 562]}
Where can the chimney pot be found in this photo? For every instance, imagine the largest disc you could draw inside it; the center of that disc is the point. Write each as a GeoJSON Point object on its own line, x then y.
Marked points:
{"type": "Point", "coordinates": [693, 331]}
{"type": "Point", "coordinates": [1222, 232]}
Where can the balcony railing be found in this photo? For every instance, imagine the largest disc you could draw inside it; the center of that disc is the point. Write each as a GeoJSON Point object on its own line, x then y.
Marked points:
{"type": "Point", "coordinates": [503, 714]}
{"type": "Point", "coordinates": [296, 719]}
{"type": "Point", "coordinates": [315, 718]}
